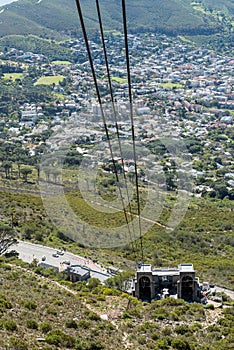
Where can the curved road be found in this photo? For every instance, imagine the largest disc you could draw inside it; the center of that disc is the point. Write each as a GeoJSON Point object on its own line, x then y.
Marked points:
{"type": "Point", "coordinates": [29, 251]}
{"type": "Point", "coordinates": [229, 292]}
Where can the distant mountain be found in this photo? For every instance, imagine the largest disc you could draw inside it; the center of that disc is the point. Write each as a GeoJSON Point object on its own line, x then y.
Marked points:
{"type": "Point", "coordinates": [53, 18]}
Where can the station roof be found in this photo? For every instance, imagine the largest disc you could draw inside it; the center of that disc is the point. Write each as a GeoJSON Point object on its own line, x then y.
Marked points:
{"type": "Point", "coordinates": [165, 271]}
{"type": "Point", "coordinates": [186, 268]}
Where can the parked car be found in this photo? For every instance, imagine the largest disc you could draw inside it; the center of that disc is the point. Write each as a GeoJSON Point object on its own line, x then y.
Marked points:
{"type": "Point", "coordinates": [67, 262]}
{"type": "Point", "coordinates": [60, 252]}
{"type": "Point", "coordinates": [55, 255]}
{"type": "Point", "coordinates": [43, 258]}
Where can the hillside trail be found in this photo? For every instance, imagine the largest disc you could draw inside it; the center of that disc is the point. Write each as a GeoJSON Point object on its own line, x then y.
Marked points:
{"type": "Point", "coordinates": [111, 316]}
{"type": "Point", "coordinates": [114, 314]}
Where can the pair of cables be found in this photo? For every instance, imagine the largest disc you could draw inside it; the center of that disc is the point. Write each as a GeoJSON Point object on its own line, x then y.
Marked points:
{"type": "Point", "coordinates": [125, 29]}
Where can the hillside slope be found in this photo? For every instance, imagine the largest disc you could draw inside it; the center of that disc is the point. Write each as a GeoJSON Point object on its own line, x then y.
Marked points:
{"type": "Point", "coordinates": [50, 314]}
{"type": "Point", "coordinates": [48, 17]}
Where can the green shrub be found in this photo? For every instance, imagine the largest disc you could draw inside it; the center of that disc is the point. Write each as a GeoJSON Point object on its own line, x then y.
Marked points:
{"type": "Point", "coordinates": [173, 316]}
{"type": "Point", "coordinates": [135, 312]}
{"type": "Point", "coordinates": [51, 311]}
{"type": "Point", "coordinates": [93, 283]}
{"type": "Point", "coordinates": [10, 325]}
{"type": "Point", "coordinates": [84, 324]}
{"type": "Point", "coordinates": [4, 303]}
{"type": "Point", "coordinates": [96, 345]}
{"type": "Point", "coordinates": [160, 316]}
{"type": "Point", "coordinates": [172, 302]}
{"type": "Point", "coordinates": [71, 324]}
{"type": "Point", "coordinates": [110, 291]}
{"type": "Point", "coordinates": [225, 297]}
{"type": "Point", "coordinates": [58, 338]}
{"type": "Point", "coordinates": [182, 329]}
{"type": "Point", "coordinates": [126, 315]}
{"type": "Point", "coordinates": [209, 306]}
{"type": "Point", "coordinates": [45, 327]}
{"type": "Point", "coordinates": [225, 322]}
{"type": "Point", "coordinates": [39, 236]}
{"type": "Point", "coordinates": [148, 326]}
{"type": "Point", "coordinates": [180, 344]}
{"type": "Point", "coordinates": [196, 327]}
{"type": "Point", "coordinates": [155, 336]}
{"type": "Point", "coordinates": [141, 340]}
{"type": "Point", "coordinates": [92, 301]}
{"type": "Point", "coordinates": [31, 305]}
{"type": "Point", "coordinates": [6, 267]}
{"type": "Point", "coordinates": [14, 275]}
{"type": "Point", "coordinates": [229, 311]}
{"type": "Point", "coordinates": [166, 331]}
{"type": "Point", "coordinates": [17, 344]}
{"type": "Point", "coordinates": [81, 345]}
{"type": "Point", "coordinates": [32, 324]}
{"type": "Point", "coordinates": [162, 344]}
{"type": "Point", "coordinates": [93, 316]}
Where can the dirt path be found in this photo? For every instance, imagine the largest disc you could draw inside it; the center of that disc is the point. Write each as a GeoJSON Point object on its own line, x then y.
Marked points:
{"type": "Point", "coordinates": [111, 317]}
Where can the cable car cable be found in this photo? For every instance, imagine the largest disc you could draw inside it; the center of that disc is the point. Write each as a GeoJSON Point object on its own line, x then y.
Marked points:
{"type": "Point", "coordinates": [101, 106]}
{"type": "Point", "coordinates": [115, 115]}
{"type": "Point", "coordinates": [132, 121]}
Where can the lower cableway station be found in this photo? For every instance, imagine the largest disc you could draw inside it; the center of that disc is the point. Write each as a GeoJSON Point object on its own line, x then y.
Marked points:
{"type": "Point", "coordinates": [161, 283]}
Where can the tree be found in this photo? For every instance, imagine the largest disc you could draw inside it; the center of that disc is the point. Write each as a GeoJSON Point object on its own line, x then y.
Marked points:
{"type": "Point", "coordinates": [7, 238]}
{"type": "Point", "coordinates": [221, 190]}
{"type": "Point", "coordinates": [38, 168]}
{"type": "Point", "coordinates": [25, 172]}
{"type": "Point", "coordinates": [7, 167]}
{"type": "Point", "coordinates": [56, 173]}
{"type": "Point", "coordinates": [119, 280]}
{"type": "Point", "coordinates": [171, 186]}
{"type": "Point", "coordinates": [93, 283]}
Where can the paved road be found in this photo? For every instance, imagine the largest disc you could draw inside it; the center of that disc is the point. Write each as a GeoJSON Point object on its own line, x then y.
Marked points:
{"type": "Point", "coordinates": [29, 251]}
{"type": "Point", "coordinates": [229, 292]}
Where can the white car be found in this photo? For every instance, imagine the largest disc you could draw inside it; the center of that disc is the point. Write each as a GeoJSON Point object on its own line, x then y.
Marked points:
{"type": "Point", "coordinates": [60, 252]}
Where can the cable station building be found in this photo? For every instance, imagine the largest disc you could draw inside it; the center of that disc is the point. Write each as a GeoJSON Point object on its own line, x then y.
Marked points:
{"type": "Point", "coordinates": [160, 283]}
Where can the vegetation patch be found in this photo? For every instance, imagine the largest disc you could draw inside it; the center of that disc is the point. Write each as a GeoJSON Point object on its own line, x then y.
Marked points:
{"type": "Point", "coordinates": [185, 39]}
{"type": "Point", "coordinates": [32, 43]}
{"type": "Point", "coordinates": [120, 80]}
{"type": "Point", "coordinates": [50, 80]}
{"type": "Point", "coordinates": [12, 76]}
{"type": "Point", "coordinates": [79, 325]}
{"type": "Point", "coordinates": [170, 86]}
{"type": "Point", "coordinates": [63, 63]}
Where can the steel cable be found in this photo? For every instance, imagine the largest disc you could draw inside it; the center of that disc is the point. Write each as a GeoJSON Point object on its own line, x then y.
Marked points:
{"type": "Point", "coordinates": [101, 106]}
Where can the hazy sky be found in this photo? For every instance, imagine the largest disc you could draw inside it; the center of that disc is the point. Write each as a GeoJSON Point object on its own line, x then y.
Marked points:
{"type": "Point", "coordinates": [4, 2]}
